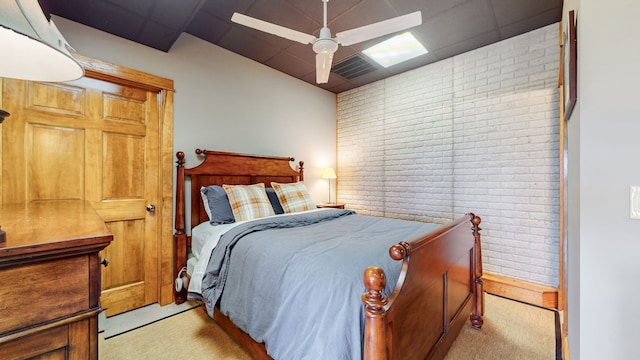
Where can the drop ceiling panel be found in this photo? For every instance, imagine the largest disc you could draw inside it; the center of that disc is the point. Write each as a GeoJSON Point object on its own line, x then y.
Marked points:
{"type": "Point", "coordinates": [458, 24]}
{"type": "Point", "coordinates": [289, 64]}
{"type": "Point", "coordinates": [280, 12]}
{"type": "Point", "coordinates": [429, 8]}
{"type": "Point", "coordinates": [208, 27]}
{"type": "Point", "coordinates": [225, 8]}
{"type": "Point", "coordinates": [304, 52]}
{"type": "Point", "coordinates": [525, 25]}
{"type": "Point", "coordinates": [114, 20]}
{"type": "Point", "coordinates": [356, 17]}
{"type": "Point", "coordinates": [506, 13]}
{"type": "Point", "coordinates": [142, 8]}
{"type": "Point", "coordinates": [253, 47]}
{"type": "Point", "coordinates": [175, 14]}
{"type": "Point", "coordinates": [157, 35]}
{"type": "Point", "coordinates": [466, 45]}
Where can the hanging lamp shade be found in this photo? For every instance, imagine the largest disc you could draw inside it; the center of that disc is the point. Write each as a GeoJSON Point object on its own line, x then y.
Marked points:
{"type": "Point", "coordinates": [31, 47]}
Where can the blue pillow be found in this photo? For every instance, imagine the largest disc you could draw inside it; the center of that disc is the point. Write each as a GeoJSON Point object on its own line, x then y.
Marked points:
{"type": "Point", "coordinates": [217, 201]}
{"type": "Point", "coordinates": [275, 203]}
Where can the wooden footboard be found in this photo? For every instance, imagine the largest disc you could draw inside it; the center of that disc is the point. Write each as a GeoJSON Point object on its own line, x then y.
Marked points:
{"type": "Point", "coordinates": [439, 288]}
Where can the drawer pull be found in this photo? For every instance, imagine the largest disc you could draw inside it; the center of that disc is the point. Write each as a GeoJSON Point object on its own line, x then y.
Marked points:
{"type": "Point", "coordinates": [105, 262]}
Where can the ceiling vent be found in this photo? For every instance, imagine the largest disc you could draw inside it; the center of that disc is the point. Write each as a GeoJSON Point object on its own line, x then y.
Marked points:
{"type": "Point", "coordinates": [353, 67]}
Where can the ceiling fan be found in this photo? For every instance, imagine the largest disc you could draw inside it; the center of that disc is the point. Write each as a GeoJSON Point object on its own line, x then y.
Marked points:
{"type": "Point", "coordinates": [324, 45]}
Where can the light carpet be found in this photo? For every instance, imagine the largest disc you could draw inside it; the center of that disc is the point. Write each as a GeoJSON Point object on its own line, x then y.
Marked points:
{"type": "Point", "coordinates": [512, 330]}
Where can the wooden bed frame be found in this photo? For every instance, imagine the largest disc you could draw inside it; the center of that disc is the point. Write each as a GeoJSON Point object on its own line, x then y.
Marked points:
{"type": "Point", "coordinates": [439, 288]}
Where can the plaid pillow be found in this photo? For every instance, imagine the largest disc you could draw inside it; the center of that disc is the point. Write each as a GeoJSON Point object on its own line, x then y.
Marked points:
{"type": "Point", "coordinates": [248, 201]}
{"type": "Point", "coordinates": [293, 197]}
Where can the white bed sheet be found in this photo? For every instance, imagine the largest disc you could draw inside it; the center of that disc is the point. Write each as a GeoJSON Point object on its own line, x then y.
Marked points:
{"type": "Point", "coordinates": [204, 238]}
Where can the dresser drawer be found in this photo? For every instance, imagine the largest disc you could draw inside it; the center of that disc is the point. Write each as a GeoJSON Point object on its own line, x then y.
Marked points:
{"type": "Point", "coordinates": [48, 344]}
{"type": "Point", "coordinates": [37, 293]}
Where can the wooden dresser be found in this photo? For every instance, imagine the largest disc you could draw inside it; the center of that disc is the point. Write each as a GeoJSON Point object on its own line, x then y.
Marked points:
{"type": "Point", "coordinates": [50, 280]}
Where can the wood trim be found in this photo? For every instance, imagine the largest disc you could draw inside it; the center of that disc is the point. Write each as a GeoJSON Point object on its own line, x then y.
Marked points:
{"type": "Point", "coordinates": [521, 290]}
{"type": "Point", "coordinates": [102, 70]}
{"type": "Point", "coordinates": [166, 188]}
{"type": "Point", "coordinates": [563, 302]}
{"type": "Point", "coordinates": [1, 137]}
{"type": "Point", "coordinates": [562, 288]}
{"type": "Point", "coordinates": [565, 348]}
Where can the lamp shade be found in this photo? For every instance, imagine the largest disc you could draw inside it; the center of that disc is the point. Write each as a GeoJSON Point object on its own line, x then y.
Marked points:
{"type": "Point", "coordinates": [328, 173]}
{"type": "Point", "coordinates": [323, 67]}
{"type": "Point", "coordinates": [32, 47]}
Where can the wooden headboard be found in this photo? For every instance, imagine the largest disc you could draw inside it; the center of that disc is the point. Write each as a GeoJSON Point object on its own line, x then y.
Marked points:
{"type": "Point", "coordinates": [221, 168]}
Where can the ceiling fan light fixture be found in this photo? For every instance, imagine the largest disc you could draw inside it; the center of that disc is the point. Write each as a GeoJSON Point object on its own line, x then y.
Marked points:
{"type": "Point", "coordinates": [323, 67]}
{"type": "Point", "coordinates": [32, 46]}
{"type": "Point", "coordinates": [395, 50]}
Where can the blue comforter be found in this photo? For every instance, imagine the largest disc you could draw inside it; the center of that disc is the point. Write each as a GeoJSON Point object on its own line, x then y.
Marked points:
{"type": "Point", "coordinates": [295, 282]}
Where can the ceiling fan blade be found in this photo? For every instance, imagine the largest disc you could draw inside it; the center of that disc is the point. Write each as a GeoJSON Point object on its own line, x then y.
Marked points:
{"type": "Point", "coordinates": [372, 31]}
{"type": "Point", "coordinates": [323, 67]}
{"type": "Point", "coordinates": [272, 29]}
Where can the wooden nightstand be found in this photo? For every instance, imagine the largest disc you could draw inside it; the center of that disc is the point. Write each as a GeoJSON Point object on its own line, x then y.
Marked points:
{"type": "Point", "coordinates": [332, 206]}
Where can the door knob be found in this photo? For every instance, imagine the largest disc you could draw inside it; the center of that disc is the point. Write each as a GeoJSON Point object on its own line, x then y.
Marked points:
{"type": "Point", "coordinates": [105, 262]}
{"type": "Point", "coordinates": [151, 208]}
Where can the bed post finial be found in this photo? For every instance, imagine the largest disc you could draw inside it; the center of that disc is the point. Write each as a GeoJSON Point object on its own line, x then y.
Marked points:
{"type": "Point", "coordinates": [478, 310]}
{"type": "Point", "coordinates": [400, 251]}
{"type": "Point", "coordinates": [179, 222]}
{"type": "Point", "coordinates": [374, 301]}
{"type": "Point", "coordinates": [301, 170]}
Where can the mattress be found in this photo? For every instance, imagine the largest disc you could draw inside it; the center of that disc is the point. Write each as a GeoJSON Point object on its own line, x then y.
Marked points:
{"type": "Point", "coordinates": [191, 264]}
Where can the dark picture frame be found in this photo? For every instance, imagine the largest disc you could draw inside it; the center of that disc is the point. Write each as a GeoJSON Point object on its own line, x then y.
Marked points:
{"type": "Point", "coordinates": [570, 66]}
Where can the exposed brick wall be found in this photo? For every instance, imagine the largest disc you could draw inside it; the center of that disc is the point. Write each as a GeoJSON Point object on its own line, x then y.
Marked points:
{"type": "Point", "coordinates": [476, 132]}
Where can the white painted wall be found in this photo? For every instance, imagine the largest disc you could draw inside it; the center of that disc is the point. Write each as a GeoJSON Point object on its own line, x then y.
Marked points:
{"type": "Point", "coordinates": [226, 102]}
{"type": "Point", "coordinates": [476, 132]}
{"type": "Point", "coordinates": [604, 137]}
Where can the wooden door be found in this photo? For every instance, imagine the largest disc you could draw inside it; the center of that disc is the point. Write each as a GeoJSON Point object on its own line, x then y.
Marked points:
{"type": "Point", "coordinates": [99, 140]}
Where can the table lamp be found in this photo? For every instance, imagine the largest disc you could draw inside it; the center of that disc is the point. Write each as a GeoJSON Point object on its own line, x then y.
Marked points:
{"type": "Point", "coordinates": [329, 173]}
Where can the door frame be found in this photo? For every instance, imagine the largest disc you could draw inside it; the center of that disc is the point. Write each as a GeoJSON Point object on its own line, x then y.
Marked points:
{"type": "Point", "coordinates": [100, 70]}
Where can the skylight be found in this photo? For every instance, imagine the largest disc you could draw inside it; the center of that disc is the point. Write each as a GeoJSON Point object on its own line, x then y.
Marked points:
{"type": "Point", "coordinates": [395, 50]}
